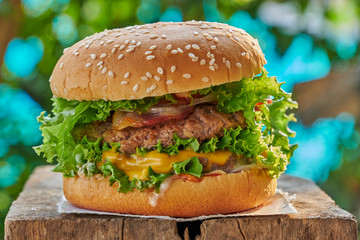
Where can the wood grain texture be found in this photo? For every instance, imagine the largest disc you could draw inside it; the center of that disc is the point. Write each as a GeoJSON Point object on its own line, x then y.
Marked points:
{"type": "Point", "coordinates": [34, 216]}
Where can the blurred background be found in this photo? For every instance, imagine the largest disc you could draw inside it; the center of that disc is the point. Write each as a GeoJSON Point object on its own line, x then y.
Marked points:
{"type": "Point", "coordinates": [311, 45]}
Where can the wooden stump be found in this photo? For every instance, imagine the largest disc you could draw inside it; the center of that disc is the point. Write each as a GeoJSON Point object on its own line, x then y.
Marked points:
{"type": "Point", "coordinates": [34, 216]}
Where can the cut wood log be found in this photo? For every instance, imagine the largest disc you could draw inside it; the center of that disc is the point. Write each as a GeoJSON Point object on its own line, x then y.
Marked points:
{"type": "Point", "coordinates": [34, 215]}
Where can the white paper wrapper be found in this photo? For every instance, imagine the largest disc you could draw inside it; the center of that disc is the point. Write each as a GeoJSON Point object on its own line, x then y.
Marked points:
{"type": "Point", "coordinates": [278, 205]}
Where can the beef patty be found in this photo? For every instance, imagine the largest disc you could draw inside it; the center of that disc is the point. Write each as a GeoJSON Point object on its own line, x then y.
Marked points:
{"type": "Point", "coordinates": [203, 124]}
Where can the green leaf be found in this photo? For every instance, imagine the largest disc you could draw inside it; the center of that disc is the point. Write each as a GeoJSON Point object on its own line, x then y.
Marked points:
{"type": "Point", "coordinates": [191, 166]}
{"type": "Point", "coordinates": [116, 175]}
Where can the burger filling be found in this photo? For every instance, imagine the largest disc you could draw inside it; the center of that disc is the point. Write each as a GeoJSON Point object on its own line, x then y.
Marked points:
{"type": "Point", "coordinates": [140, 143]}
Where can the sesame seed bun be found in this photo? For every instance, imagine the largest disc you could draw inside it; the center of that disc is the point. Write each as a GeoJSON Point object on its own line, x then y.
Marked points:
{"type": "Point", "coordinates": [155, 59]}
{"type": "Point", "coordinates": [228, 193]}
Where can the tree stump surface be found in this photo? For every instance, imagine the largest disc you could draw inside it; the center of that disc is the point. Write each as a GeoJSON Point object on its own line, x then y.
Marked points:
{"type": "Point", "coordinates": [34, 215]}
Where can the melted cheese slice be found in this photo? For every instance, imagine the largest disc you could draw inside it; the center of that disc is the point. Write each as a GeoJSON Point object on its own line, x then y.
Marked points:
{"type": "Point", "coordinates": [136, 166]}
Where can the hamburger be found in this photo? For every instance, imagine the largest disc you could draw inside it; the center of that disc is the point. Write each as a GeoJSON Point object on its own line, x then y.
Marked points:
{"type": "Point", "coordinates": [175, 119]}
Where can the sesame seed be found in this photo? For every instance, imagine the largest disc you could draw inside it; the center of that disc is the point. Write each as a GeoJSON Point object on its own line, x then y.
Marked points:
{"type": "Point", "coordinates": [56, 91]}
{"type": "Point", "coordinates": [213, 47]}
{"type": "Point", "coordinates": [191, 55]}
{"type": "Point", "coordinates": [102, 42]}
{"type": "Point", "coordinates": [146, 32]}
{"type": "Point", "coordinates": [154, 36]}
{"type": "Point", "coordinates": [216, 39]}
{"type": "Point", "coordinates": [168, 82]}
{"type": "Point", "coordinates": [216, 66]}
{"type": "Point", "coordinates": [88, 65]}
{"type": "Point", "coordinates": [150, 57]}
{"type": "Point", "coordinates": [238, 39]}
{"type": "Point", "coordinates": [61, 65]}
{"type": "Point", "coordinates": [104, 70]}
{"type": "Point", "coordinates": [212, 56]}
{"type": "Point", "coordinates": [111, 74]}
{"type": "Point", "coordinates": [205, 34]}
{"type": "Point", "coordinates": [132, 97]}
{"type": "Point", "coordinates": [173, 68]}
{"type": "Point", "coordinates": [87, 46]}
{"type": "Point", "coordinates": [188, 47]}
{"type": "Point", "coordinates": [247, 56]}
{"type": "Point", "coordinates": [195, 59]}
{"type": "Point", "coordinates": [157, 78]}
{"type": "Point", "coordinates": [209, 38]}
{"type": "Point", "coordinates": [110, 41]}
{"type": "Point", "coordinates": [148, 52]}
{"type": "Point", "coordinates": [75, 50]}
{"type": "Point", "coordinates": [76, 53]}
{"type": "Point", "coordinates": [238, 65]}
{"type": "Point", "coordinates": [137, 34]}
{"type": "Point", "coordinates": [50, 78]}
{"type": "Point", "coordinates": [204, 26]}
{"type": "Point", "coordinates": [116, 45]}
{"type": "Point", "coordinates": [243, 54]}
{"type": "Point", "coordinates": [186, 75]}
{"type": "Point", "coordinates": [127, 41]}
{"type": "Point", "coordinates": [100, 67]}
{"type": "Point", "coordinates": [228, 34]}
{"type": "Point", "coordinates": [144, 78]}
{"type": "Point", "coordinates": [212, 68]}
{"type": "Point", "coordinates": [180, 50]}
{"type": "Point", "coordinates": [124, 83]}
{"type": "Point", "coordinates": [130, 49]}
{"type": "Point", "coordinates": [231, 31]}
{"type": "Point", "coordinates": [100, 63]}
{"type": "Point", "coordinates": [223, 59]}
{"type": "Point", "coordinates": [132, 30]}
{"type": "Point", "coordinates": [103, 55]}
{"type": "Point", "coordinates": [160, 70]}
{"type": "Point", "coordinates": [212, 61]}
{"type": "Point", "coordinates": [138, 44]}
{"type": "Point", "coordinates": [202, 62]}
{"type": "Point", "coordinates": [136, 87]}
{"type": "Point", "coordinates": [133, 41]}
{"type": "Point", "coordinates": [122, 47]}
{"type": "Point", "coordinates": [169, 47]}
{"type": "Point", "coordinates": [152, 47]}
{"type": "Point", "coordinates": [205, 79]}
{"type": "Point", "coordinates": [120, 56]}
{"type": "Point", "coordinates": [174, 51]}
{"type": "Point", "coordinates": [194, 46]}
{"type": "Point", "coordinates": [227, 64]}
{"type": "Point", "coordinates": [163, 36]}
{"type": "Point", "coordinates": [148, 74]}
{"type": "Point", "coordinates": [196, 33]}
{"type": "Point", "coordinates": [208, 54]}
{"type": "Point", "coordinates": [93, 56]}
{"type": "Point", "coordinates": [113, 50]}
{"type": "Point", "coordinates": [118, 35]}
{"type": "Point", "coordinates": [126, 75]}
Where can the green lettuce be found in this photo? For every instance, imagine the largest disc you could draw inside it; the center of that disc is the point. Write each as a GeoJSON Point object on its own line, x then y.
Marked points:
{"type": "Point", "coordinates": [265, 139]}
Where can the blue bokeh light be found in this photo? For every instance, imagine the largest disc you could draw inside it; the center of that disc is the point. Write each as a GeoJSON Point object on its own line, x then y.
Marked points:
{"type": "Point", "coordinates": [35, 8]}
{"type": "Point", "coordinates": [22, 56]}
{"type": "Point", "coordinates": [149, 11]}
{"type": "Point", "coordinates": [319, 149]}
{"type": "Point", "coordinates": [64, 28]}
{"type": "Point", "coordinates": [18, 112]}
{"type": "Point", "coordinates": [11, 169]}
{"type": "Point", "coordinates": [172, 14]}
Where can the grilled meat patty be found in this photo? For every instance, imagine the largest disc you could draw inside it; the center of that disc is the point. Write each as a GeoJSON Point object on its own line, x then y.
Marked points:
{"type": "Point", "coordinates": [203, 124]}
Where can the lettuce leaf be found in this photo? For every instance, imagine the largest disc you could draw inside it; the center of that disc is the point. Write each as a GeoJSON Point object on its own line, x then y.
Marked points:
{"type": "Point", "coordinates": [265, 139]}
{"type": "Point", "coordinates": [191, 166]}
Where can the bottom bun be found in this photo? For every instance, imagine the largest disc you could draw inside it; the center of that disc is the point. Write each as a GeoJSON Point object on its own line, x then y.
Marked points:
{"type": "Point", "coordinates": [227, 193]}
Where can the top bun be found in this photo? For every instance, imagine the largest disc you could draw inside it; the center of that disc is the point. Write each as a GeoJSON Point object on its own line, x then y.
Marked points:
{"type": "Point", "coordinates": [155, 59]}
